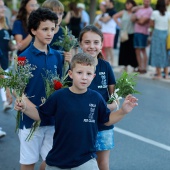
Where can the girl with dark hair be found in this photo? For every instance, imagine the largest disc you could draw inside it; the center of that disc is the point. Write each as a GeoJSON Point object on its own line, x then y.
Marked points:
{"type": "Point", "coordinates": [91, 42]}
{"type": "Point", "coordinates": [19, 31]}
{"type": "Point", "coordinates": [158, 53]}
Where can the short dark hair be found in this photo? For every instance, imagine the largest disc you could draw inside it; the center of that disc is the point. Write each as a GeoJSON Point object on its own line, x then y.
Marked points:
{"type": "Point", "coordinates": [82, 58]}
{"type": "Point", "coordinates": [39, 15]}
{"type": "Point", "coordinates": [131, 2]}
{"type": "Point", "coordinates": [161, 7]}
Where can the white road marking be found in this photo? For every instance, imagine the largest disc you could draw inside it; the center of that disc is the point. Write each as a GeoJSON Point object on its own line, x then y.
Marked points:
{"type": "Point", "coordinates": [141, 138]}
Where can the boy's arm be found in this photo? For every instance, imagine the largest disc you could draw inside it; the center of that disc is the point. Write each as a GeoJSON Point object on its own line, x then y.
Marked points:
{"type": "Point", "coordinates": [127, 106]}
{"type": "Point", "coordinates": [27, 107]}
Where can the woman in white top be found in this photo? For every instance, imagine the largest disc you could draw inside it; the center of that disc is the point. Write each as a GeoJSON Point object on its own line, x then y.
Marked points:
{"type": "Point", "coordinates": [158, 53]}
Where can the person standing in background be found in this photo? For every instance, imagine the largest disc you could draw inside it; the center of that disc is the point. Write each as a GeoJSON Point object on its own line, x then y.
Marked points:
{"type": "Point", "coordinates": [73, 20]}
{"type": "Point", "coordinates": [141, 18]}
{"type": "Point", "coordinates": [5, 36]}
{"type": "Point", "coordinates": [20, 32]}
{"type": "Point", "coordinates": [101, 25]}
{"type": "Point", "coordinates": [127, 55]}
{"type": "Point", "coordinates": [85, 19]}
{"type": "Point", "coordinates": [110, 31]}
{"type": "Point", "coordinates": [158, 53]}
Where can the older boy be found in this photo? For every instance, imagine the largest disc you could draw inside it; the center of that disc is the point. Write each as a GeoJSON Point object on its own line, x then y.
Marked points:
{"type": "Point", "coordinates": [76, 111]}
{"type": "Point", "coordinates": [41, 26]}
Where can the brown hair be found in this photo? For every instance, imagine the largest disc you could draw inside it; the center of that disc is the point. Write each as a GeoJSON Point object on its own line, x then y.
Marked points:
{"type": "Point", "coordinates": [22, 14]}
{"type": "Point", "coordinates": [51, 4]}
{"type": "Point", "coordinates": [82, 58]}
{"type": "Point", "coordinates": [94, 29]}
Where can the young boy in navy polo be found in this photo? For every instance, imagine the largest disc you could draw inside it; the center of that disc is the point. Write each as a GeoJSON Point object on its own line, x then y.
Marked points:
{"type": "Point", "coordinates": [76, 111]}
{"type": "Point", "coordinates": [41, 25]}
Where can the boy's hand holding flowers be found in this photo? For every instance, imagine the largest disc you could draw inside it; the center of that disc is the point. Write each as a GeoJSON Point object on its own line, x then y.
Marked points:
{"type": "Point", "coordinates": [18, 81]}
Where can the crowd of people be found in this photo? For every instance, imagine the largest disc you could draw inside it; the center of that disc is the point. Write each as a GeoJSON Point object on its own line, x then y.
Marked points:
{"type": "Point", "coordinates": [84, 133]}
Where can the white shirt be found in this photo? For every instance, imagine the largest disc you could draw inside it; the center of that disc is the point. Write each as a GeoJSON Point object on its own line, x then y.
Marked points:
{"type": "Point", "coordinates": [108, 27]}
{"type": "Point", "coordinates": [161, 21]}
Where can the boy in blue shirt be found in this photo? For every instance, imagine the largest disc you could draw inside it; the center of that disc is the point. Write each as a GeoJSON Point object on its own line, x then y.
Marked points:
{"type": "Point", "coordinates": [77, 110]}
{"type": "Point", "coordinates": [41, 25]}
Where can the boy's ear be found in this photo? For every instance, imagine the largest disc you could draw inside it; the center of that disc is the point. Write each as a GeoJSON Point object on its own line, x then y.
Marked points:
{"type": "Point", "coordinates": [70, 74]}
{"type": "Point", "coordinates": [33, 31]}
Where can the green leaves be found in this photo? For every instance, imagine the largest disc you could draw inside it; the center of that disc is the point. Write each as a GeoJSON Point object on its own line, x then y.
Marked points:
{"type": "Point", "coordinates": [17, 81]}
{"type": "Point", "coordinates": [125, 85]}
{"type": "Point", "coordinates": [67, 41]}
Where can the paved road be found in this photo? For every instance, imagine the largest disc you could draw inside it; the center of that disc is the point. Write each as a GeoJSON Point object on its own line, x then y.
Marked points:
{"type": "Point", "coordinates": [147, 147]}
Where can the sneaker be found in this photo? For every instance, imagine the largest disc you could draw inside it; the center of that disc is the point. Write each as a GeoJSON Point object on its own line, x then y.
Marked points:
{"type": "Point", "coordinates": [7, 106]}
{"type": "Point", "coordinates": [2, 133]}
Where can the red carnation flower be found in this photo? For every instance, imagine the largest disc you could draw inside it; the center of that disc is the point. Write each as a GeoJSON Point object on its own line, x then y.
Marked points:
{"type": "Point", "coordinates": [21, 61]}
{"type": "Point", "coordinates": [57, 84]}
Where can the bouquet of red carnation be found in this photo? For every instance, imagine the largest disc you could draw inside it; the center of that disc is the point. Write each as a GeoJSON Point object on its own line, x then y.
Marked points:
{"type": "Point", "coordinates": [53, 82]}
{"type": "Point", "coordinates": [18, 80]}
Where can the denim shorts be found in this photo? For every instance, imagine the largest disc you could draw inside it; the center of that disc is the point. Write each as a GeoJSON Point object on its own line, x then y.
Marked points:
{"type": "Point", "coordinates": [140, 40]}
{"type": "Point", "coordinates": [105, 140]}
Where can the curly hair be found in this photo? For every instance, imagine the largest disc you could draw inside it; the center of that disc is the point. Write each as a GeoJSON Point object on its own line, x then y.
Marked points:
{"type": "Point", "coordinates": [39, 15]}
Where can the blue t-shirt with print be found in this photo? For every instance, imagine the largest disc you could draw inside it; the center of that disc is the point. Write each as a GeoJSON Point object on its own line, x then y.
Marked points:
{"type": "Point", "coordinates": [104, 77]}
{"type": "Point", "coordinates": [35, 89]}
{"type": "Point", "coordinates": [76, 118]}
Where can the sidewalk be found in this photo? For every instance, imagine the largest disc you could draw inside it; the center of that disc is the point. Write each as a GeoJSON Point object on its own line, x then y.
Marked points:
{"type": "Point", "coordinates": [148, 75]}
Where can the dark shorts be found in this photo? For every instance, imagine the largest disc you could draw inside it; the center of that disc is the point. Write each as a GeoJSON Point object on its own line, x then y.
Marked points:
{"type": "Point", "coordinates": [140, 40]}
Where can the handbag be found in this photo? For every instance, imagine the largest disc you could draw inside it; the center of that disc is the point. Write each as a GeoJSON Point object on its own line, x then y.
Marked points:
{"type": "Point", "coordinates": [168, 42]}
{"type": "Point", "coordinates": [123, 36]}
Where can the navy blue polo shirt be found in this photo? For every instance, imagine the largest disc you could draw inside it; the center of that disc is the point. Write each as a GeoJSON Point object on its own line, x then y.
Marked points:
{"type": "Point", "coordinates": [104, 77]}
{"type": "Point", "coordinates": [35, 89]}
{"type": "Point", "coordinates": [76, 118]}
